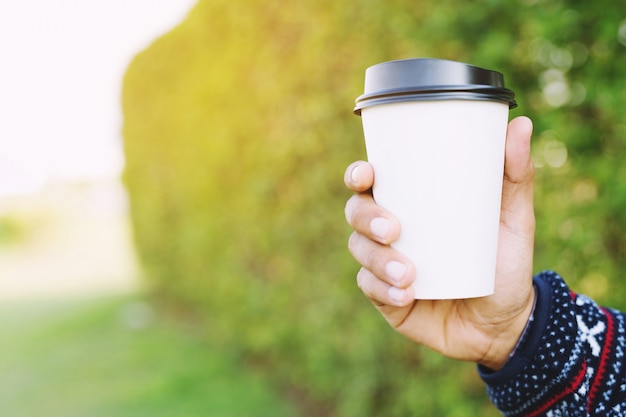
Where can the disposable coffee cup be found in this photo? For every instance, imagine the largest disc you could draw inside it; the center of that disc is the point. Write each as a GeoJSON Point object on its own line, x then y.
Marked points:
{"type": "Point", "coordinates": [435, 135]}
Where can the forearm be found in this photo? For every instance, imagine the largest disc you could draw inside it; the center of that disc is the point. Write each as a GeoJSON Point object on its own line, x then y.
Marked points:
{"type": "Point", "coordinates": [570, 358]}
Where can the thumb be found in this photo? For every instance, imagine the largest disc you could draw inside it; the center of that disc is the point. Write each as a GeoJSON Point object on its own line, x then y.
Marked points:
{"type": "Point", "coordinates": [518, 167]}
{"type": "Point", "coordinates": [519, 173]}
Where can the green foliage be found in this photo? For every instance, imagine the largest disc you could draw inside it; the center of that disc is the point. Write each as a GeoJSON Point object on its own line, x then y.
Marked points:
{"type": "Point", "coordinates": [238, 127]}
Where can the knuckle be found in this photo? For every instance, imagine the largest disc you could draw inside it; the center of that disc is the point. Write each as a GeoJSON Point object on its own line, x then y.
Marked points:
{"type": "Point", "coordinates": [362, 281]}
{"type": "Point", "coordinates": [350, 209]}
{"type": "Point", "coordinates": [371, 254]}
{"type": "Point", "coordinates": [366, 281]}
{"type": "Point", "coordinates": [531, 171]}
{"type": "Point", "coordinates": [352, 242]}
{"type": "Point", "coordinates": [363, 250]}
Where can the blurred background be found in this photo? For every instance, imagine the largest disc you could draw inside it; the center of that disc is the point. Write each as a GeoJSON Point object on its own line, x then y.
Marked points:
{"type": "Point", "coordinates": [78, 335]}
{"type": "Point", "coordinates": [61, 153]}
{"type": "Point", "coordinates": [172, 238]}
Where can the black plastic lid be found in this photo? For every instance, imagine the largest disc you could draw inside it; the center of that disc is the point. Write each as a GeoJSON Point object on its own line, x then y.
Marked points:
{"type": "Point", "coordinates": [431, 79]}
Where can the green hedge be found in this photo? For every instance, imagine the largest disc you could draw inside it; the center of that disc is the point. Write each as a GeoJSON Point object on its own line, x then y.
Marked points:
{"type": "Point", "coordinates": [238, 127]}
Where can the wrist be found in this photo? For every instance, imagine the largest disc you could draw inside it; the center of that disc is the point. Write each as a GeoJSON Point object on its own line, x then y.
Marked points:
{"type": "Point", "coordinates": [506, 341]}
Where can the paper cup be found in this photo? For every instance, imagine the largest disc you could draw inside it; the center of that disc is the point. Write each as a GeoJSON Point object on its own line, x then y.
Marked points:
{"type": "Point", "coordinates": [435, 134]}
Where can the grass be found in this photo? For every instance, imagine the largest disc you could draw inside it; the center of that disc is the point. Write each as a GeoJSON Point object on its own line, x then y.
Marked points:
{"type": "Point", "coordinates": [117, 358]}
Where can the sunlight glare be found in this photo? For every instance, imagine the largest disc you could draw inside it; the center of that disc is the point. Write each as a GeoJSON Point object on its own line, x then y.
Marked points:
{"type": "Point", "coordinates": [60, 84]}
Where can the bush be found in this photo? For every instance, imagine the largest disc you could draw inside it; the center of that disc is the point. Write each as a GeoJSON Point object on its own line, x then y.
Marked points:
{"type": "Point", "coordinates": [237, 130]}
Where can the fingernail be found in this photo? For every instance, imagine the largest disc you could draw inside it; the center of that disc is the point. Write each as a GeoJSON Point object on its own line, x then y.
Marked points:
{"type": "Point", "coordinates": [380, 227]}
{"type": "Point", "coordinates": [395, 271]}
{"type": "Point", "coordinates": [354, 174]}
{"type": "Point", "coordinates": [396, 295]}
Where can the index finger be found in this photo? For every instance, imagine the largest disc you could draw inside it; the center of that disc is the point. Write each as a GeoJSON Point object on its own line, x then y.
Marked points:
{"type": "Point", "coordinates": [359, 176]}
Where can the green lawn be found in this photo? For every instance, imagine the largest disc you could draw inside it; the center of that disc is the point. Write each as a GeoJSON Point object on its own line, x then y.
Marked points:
{"type": "Point", "coordinates": [117, 358]}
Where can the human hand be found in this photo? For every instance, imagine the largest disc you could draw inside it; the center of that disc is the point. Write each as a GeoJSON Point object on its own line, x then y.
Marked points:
{"type": "Point", "coordinates": [483, 330]}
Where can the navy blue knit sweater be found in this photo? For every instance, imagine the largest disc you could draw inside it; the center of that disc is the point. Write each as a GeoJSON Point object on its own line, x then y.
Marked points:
{"type": "Point", "coordinates": [569, 362]}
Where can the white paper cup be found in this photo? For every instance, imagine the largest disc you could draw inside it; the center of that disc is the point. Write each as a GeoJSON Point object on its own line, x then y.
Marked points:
{"type": "Point", "coordinates": [435, 134]}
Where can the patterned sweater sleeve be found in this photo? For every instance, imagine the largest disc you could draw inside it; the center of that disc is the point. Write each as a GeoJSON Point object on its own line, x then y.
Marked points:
{"type": "Point", "coordinates": [569, 362]}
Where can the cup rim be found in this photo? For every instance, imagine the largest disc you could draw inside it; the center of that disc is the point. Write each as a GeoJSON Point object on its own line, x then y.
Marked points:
{"type": "Point", "coordinates": [478, 93]}
{"type": "Point", "coordinates": [469, 82]}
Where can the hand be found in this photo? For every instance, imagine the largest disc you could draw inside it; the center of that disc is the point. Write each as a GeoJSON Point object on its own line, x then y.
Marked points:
{"type": "Point", "coordinates": [483, 330]}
